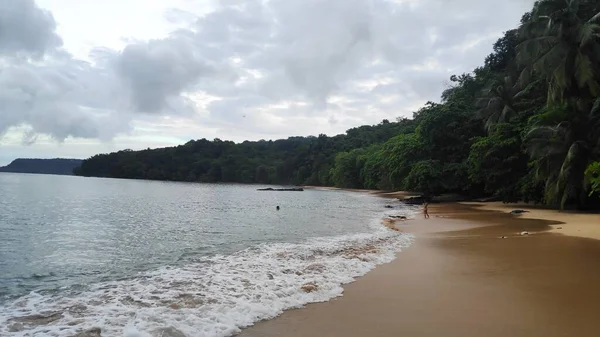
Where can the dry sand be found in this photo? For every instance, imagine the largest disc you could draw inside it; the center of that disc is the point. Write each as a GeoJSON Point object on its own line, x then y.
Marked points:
{"type": "Point", "coordinates": [570, 223]}
{"type": "Point", "coordinates": [460, 278]}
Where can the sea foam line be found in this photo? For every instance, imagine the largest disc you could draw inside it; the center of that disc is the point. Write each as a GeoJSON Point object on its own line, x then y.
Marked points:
{"type": "Point", "coordinates": [213, 296]}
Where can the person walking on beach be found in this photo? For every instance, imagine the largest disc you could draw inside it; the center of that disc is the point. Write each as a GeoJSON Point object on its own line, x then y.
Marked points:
{"type": "Point", "coordinates": [425, 210]}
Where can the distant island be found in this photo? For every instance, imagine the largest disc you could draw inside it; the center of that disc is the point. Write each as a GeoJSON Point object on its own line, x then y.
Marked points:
{"type": "Point", "coordinates": [58, 166]}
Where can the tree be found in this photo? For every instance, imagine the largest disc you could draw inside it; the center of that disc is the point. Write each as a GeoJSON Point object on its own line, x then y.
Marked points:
{"type": "Point", "coordinates": [593, 177]}
{"type": "Point", "coordinates": [562, 45]}
{"type": "Point", "coordinates": [497, 102]}
{"type": "Point", "coordinates": [563, 144]}
{"type": "Point", "coordinates": [497, 163]}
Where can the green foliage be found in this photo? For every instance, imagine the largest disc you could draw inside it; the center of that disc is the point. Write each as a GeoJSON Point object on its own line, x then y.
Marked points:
{"type": "Point", "coordinates": [425, 176]}
{"type": "Point", "coordinates": [296, 160]}
{"type": "Point", "coordinates": [593, 177]}
{"type": "Point", "coordinates": [497, 163]}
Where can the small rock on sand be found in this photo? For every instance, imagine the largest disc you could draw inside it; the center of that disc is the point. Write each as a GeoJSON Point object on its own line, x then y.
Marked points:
{"type": "Point", "coordinates": [524, 233]}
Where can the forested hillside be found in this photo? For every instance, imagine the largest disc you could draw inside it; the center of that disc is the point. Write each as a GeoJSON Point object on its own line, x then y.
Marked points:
{"type": "Point", "coordinates": [42, 166]}
{"type": "Point", "coordinates": [296, 160]}
{"type": "Point", "coordinates": [523, 126]}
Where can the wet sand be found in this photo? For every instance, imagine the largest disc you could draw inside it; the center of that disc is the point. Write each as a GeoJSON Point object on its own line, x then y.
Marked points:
{"type": "Point", "coordinates": [570, 223]}
{"type": "Point", "coordinates": [460, 278]}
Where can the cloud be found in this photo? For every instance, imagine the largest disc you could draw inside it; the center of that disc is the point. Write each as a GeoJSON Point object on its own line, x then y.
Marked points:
{"type": "Point", "coordinates": [288, 66]}
{"type": "Point", "coordinates": [26, 29]}
{"type": "Point", "coordinates": [61, 98]}
{"type": "Point", "coordinates": [158, 70]}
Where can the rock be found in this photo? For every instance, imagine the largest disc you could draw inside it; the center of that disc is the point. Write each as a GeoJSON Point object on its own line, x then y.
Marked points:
{"type": "Point", "coordinates": [94, 332]}
{"type": "Point", "coordinates": [281, 189]}
{"type": "Point", "coordinates": [388, 206]}
{"type": "Point", "coordinates": [270, 276]}
{"type": "Point", "coordinates": [41, 319]}
{"type": "Point", "coordinates": [503, 237]}
{"type": "Point", "coordinates": [558, 227]}
{"type": "Point", "coordinates": [401, 217]}
{"type": "Point", "coordinates": [413, 200]}
{"type": "Point", "coordinates": [309, 287]}
{"type": "Point", "coordinates": [518, 211]}
{"type": "Point", "coordinates": [524, 233]}
{"type": "Point", "coordinates": [16, 327]}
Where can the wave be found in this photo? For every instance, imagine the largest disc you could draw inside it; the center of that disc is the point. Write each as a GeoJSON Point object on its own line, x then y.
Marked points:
{"type": "Point", "coordinates": [210, 296]}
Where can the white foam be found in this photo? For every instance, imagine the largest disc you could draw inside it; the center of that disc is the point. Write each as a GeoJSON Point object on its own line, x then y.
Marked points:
{"type": "Point", "coordinates": [214, 296]}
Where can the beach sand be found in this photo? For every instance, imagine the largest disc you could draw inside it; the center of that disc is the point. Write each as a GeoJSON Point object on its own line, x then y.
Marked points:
{"type": "Point", "coordinates": [571, 223]}
{"type": "Point", "coordinates": [460, 278]}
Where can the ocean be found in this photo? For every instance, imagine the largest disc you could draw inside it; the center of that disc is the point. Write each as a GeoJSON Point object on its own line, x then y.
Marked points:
{"type": "Point", "coordinates": [146, 258]}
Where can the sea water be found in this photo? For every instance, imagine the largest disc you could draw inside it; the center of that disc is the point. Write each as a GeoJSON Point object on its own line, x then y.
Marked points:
{"type": "Point", "coordinates": [147, 258]}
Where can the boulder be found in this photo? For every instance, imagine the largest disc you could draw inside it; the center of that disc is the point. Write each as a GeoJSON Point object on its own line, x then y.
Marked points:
{"type": "Point", "coordinates": [94, 332]}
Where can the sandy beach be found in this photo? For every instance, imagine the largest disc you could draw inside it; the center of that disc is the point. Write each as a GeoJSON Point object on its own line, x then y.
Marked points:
{"type": "Point", "coordinates": [461, 278]}
{"type": "Point", "coordinates": [570, 223]}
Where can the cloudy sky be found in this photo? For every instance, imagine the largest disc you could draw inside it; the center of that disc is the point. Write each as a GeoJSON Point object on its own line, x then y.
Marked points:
{"type": "Point", "coordinates": [80, 77]}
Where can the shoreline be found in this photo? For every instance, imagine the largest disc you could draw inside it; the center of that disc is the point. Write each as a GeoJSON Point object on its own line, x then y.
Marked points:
{"type": "Point", "coordinates": [460, 276]}
{"type": "Point", "coordinates": [577, 224]}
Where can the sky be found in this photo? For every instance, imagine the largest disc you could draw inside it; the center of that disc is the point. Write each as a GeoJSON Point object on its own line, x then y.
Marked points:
{"type": "Point", "coordinates": [82, 77]}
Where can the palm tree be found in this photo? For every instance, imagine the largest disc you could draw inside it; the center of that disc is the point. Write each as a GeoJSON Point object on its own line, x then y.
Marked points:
{"type": "Point", "coordinates": [562, 152]}
{"type": "Point", "coordinates": [561, 43]}
{"type": "Point", "coordinates": [497, 103]}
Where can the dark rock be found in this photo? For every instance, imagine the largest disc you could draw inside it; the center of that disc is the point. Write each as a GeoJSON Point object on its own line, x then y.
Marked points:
{"type": "Point", "coordinates": [518, 211]}
{"type": "Point", "coordinates": [389, 206]}
{"type": "Point", "coordinates": [401, 217]}
{"type": "Point", "coordinates": [94, 332]}
{"type": "Point", "coordinates": [41, 319]}
{"type": "Point", "coordinates": [413, 200]}
{"type": "Point", "coordinates": [281, 189]}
